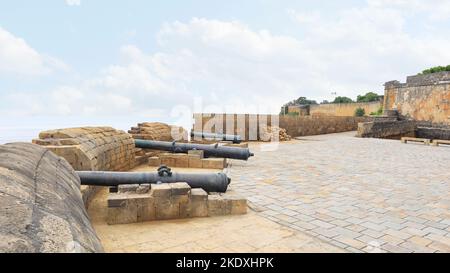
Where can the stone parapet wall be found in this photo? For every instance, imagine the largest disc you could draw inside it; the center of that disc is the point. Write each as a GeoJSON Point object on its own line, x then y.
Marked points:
{"type": "Point", "coordinates": [433, 133]}
{"type": "Point", "coordinates": [251, 127]}
{"type": "Point", "coordinates": [41, 207]}
{"type": "Point", "coordinates": [318, 125]}
{"type": "Point", "coordinates": [91, 148]}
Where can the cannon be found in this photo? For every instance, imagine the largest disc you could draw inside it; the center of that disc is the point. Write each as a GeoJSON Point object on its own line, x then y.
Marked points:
{"type": "Point", "coordinates": [210, 182]}
{"type": "Point", "coordinates": [236, 139]}
{"type": "Point", "coordinates": [209, 150]}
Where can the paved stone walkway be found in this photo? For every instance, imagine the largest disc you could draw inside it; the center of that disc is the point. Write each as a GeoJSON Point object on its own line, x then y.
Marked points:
{"type": "Point", "coordinates": [362, 195]}
{"type": "Point", "coordinates": [229, 234]}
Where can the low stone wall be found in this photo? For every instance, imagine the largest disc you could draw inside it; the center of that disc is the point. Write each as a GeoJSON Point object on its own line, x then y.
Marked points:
{"type": "Point", "coordinates": [139, 203]}
{"type": "Point", "coordinates": [433, 133]}
{"type": "Point", "coordinates": [392, 129]}
{"type": "Point", "coordinates": [194, 159]}
{"type": "Point", "coordinates": [41, 208]}
{"type": "Point", "coordinates": [318, 125]}
{"type": "Point", "coordinates": [251, 127]}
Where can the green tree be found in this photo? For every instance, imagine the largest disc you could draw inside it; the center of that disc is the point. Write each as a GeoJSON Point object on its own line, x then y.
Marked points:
{"type": "Point", "coordinates": [360, 112]}
{"type": "Point", "coordinates": [299, 101]}
{"type": "Point", "coordinates": [368, 97]}
{"type": "Point", "coordinates": [435, 69]}
{"type": "Point", "coordinates": [342, 100]}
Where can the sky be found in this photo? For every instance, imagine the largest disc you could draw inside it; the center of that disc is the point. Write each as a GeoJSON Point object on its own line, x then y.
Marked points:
{"type": "Point", "coordinates": [70, 63]}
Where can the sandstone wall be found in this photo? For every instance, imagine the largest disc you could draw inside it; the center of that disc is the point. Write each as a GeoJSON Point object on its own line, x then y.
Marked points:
{"type": "Point", "coordinates": [250, 127]}
{"type": "Point", "coordinates": [318, 125]}
{"type": "Point", "coordinates": [394, 129]}
{"type": "Point", "coordinates": [91, 148]}
{"type": "Point", "coordinates": [41, 209]}
{"type": "Point", "coordinates": [422, 97]}
{"type": "Point", "coordinates": [343, 109]}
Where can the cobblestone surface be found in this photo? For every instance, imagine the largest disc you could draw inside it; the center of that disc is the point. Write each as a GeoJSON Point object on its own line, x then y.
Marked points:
{"type": "Point", "coordinates": [363, 195]}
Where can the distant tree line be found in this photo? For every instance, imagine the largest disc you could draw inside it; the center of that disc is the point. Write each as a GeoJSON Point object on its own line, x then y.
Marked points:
{"type": "Point", "coordinates": [435, 69]}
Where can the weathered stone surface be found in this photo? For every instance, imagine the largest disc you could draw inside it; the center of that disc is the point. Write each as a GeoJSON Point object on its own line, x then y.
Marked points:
{"type": "Point", "coordinates": [154, 161]}
{"type": "Point", "coordinates": [213, 163]}
{"type": "Point", "coordinates": [195, 162]}
{"type": "Point", "coordinates": [218, 206]}
{"type": "Point", "coordinates": [158, 131]}
{"type": "Point", "coordinates": [422, 97]}
{"type": "Point", "coordinates": [199, 206]}
{"type": "Point", "coordinates": [180, 188]}
{"type": "Point", "coordinates": [237, 203]}
{"type": "Point", "coordinates": [92, 148]}
{"type": "Point", "coordinates": [41, 207]}
{"type": "Point", "coordinates": [196, 153]}
{"type": "Point", "coordinates": [387, 129]}
{"type": "Point", "coordinates": [128, 188]}
{"type": "Point", "coordinates": [143, 188]}
{"type": "Point", "coordinates": [161, 190]}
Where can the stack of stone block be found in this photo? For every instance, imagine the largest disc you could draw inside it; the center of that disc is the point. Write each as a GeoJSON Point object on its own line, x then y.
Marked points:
{"type": "Point", "coordinates": [91, 148]}
{"type": "Point", "coordinates": [158, 131]}
{"type": "Point", "coordinates": [193, 159]}
{"type": "Point", "coordinates": [140, 203]}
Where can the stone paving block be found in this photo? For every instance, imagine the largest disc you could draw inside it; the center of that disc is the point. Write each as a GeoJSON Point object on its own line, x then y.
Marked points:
{"type": "Point", "coordinates": [304, 225]}
{"type": "Point", "coordinates": [373, 226]}
{"type": "Point", "coordinates": [323, 224]}
{"type": "Point", "coordinates": [391, 239]}
{"type": "Point", "coordinates": [398, 234]}
{"type": "Point", "coordinates": [350, 242]}
{"type": "Point", "coordinates": [435, 231]}
{"type": "Point", "coordinates": [421, 241]}
{"type": "Point", "coordinates": [395, 249]}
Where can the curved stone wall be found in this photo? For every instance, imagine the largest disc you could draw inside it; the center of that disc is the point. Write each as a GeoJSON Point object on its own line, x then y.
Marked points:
{"type": "Point", "coordinates": [91, 148]}
{"type": "Point", "coordinates": [41, 209]}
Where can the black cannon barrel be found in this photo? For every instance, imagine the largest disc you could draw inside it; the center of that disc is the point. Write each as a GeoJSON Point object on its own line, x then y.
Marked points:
{"type": "Point", "coordinates": [210, 182]}
{"type": "Point", "coordinates": [209, 150]}
{"type": "Point", "coordinates": [225, 137]}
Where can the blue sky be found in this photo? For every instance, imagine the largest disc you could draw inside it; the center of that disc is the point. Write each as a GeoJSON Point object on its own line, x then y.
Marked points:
{"type": "Point", "coordinates": [79, 62]}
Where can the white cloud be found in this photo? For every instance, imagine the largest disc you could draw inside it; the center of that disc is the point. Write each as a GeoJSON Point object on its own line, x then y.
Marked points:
{"type": "Point", "coordinates": [227, 63]}
{"type": "Point", "coordinates": [73, 2]}
{"type": "Point", "coordinates": [17, 57]}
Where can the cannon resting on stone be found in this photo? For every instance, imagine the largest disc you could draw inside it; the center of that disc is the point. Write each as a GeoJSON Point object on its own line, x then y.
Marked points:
{"type": "Point", "coordinates": [236, 139]}
{"type": "Point", "coordinates": [209, 150]}
{"type": "Point", "coordinates": [210, 182]}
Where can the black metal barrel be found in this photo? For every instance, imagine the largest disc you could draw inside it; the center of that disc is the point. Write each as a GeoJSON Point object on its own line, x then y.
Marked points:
{"type": "Point", "coordinates": [210, 182]}
{"type": "Point", "coordinates": [209, 150]}
{"type": "Point", "coordinates": [224, 137]}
